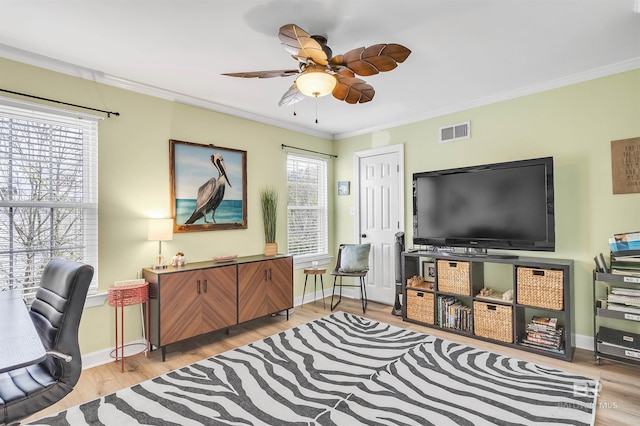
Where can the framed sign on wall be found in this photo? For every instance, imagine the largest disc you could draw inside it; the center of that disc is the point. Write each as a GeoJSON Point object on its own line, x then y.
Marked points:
{"type": "Point", "coordinates": [625, 165]}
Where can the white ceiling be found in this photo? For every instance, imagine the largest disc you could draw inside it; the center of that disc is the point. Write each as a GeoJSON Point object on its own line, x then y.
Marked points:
{"type": "Point", "coordinates": [464, 53]}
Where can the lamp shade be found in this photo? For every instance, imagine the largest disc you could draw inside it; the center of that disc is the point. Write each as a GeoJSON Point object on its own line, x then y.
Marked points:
{"type": "Point", "coordinates": [160, 230]}
{"type": "Point", "coordinates": [316, 82]}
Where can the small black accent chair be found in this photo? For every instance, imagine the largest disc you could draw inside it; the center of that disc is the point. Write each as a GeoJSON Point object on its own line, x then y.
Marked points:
{"type": "Point", "coordinates": [357, 268]}
{"type": "Point", "coordinates": [56, 313]}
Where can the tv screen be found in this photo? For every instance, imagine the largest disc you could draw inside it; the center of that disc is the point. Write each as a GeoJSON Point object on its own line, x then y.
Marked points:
{"type": "Point", "coordinates": [493, 206]}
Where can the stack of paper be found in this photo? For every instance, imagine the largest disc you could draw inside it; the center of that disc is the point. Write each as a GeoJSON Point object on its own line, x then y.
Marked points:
{"type": "Point", "coordinates": [625, 253]}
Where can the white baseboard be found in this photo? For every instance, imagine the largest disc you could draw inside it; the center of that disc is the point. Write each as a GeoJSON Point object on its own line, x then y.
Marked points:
{"type": "Point", "coordinates": [584, 342]}
{"type": "Point", "coordinates": [317, 296]}
{"type": "Point", "coordinates": [104, 356]}
{"type": "Point", "coordinates": [101, 357]}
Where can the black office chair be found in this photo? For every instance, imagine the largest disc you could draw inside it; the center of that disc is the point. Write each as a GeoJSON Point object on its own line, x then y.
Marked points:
{"type": "Point", "coordinates": [56, 313]}
{"type": "Point", "coordinates": [352, 261]}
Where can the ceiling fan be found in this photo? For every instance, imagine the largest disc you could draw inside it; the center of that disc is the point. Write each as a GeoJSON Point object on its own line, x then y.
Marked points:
{"type": "Point", "coordinates": [319, 73]}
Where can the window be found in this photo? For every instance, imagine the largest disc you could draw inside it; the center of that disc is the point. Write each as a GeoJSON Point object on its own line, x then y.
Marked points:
{"type": "Point", "coordinates": [307, 206]}
{"type": "Point", "coordinates": [48, 192]}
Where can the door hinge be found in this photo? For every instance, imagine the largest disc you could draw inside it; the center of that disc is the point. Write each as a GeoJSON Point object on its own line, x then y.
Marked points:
{"type": "Point", "coordinates": [398, 168]}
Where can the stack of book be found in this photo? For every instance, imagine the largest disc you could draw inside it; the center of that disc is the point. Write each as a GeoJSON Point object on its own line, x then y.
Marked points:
{"type": "Point", "coordinates": [544, 333]}
{"type": "Point", "coordinates": [453, 314]}
{"type": "Point", "coordinates": [625, 253]}
{"type": "Point", "coordinates": [624, 300]}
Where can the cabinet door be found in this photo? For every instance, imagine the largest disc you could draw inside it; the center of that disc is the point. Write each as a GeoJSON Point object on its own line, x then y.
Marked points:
{"type": "Point", "coordinates": [280, 284]}
{"type": "Point", "coordinates": [218, 297]}
{"type": "Point", "coordinates": [179, 307]}
{"type": "Point", "coordinates": [252, 291]}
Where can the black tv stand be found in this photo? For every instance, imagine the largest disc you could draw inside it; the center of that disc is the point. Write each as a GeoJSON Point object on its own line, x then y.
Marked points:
{"type": "Point", "coordinates": [478, 255]}
{"type": "Point", "coordinates": [482, 253]}
{"type": "Point", "coordinates": [435, 281]}
{"type": "Point", "coordinates": [495, 256]}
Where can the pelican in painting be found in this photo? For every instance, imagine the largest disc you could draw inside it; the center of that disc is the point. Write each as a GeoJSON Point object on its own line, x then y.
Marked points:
{"type": "Point", "coordinates": [210, 194]}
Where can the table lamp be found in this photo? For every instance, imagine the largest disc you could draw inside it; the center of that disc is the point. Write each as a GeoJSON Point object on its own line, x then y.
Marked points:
{"type": "Point", "coordinates": [160, 230]}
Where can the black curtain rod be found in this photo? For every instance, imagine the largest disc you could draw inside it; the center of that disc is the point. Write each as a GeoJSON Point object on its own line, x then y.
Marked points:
{"type": "Point", "coordinates": [308, 150]}
{"type": "Point", "coordinates": [109, 113]}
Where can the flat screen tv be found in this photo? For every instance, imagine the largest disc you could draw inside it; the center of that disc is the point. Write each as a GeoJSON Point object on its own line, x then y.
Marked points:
{"type": "Point", "coordinates": [504, 206]}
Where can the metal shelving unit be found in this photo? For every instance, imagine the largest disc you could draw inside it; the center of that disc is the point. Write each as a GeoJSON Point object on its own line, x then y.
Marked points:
{"type": "Point", "coordinates": [610, 343]}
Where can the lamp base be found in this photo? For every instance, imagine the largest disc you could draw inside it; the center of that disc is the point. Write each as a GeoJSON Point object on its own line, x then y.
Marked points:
{"type": "Point", "coordinates": [159, 262]}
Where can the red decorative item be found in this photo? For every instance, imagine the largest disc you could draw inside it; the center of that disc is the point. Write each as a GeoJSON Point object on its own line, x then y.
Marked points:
{"type": "Point", "coordinates": [123, 294]}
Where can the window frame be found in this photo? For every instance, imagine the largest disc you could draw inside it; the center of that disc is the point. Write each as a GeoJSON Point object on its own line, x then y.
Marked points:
{"type": "Point", "coordinates": [88, 205]}
{"type": "Point", "coordinates": [322, 256]}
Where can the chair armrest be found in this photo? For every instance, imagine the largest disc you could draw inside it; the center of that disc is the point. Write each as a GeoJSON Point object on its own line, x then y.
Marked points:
{"type": "Point", "coordinates": [60, 355]}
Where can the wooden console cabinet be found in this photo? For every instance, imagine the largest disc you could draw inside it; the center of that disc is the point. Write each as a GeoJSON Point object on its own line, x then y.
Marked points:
{"type": "Point", "coordinates": [264, 288]}
{"type": "Point", "coordinates": [202, 297]}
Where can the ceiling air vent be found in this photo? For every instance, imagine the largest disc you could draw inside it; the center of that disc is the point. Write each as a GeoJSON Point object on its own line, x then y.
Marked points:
{"type": "Point", "coordinates": [455, 132]}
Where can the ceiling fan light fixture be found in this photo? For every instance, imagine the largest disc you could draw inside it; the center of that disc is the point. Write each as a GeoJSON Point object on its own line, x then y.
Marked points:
{"type": "Point", "coordinates": [316, 82]}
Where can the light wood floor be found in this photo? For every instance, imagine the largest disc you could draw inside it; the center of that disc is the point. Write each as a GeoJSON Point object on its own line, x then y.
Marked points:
{"type": "Point", "coordinates": [618, 401]}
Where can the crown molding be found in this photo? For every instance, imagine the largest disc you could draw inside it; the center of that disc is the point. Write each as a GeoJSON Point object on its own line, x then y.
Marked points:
{"type": "Point", "coordinates": [593, 74]}
{"type": "Point", "coordinates": [51, 64]}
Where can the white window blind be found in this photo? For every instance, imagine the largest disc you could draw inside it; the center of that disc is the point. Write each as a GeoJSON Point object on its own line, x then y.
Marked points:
{"type": "Point", "coordinates": [48, 192]}
{"type": "Point", "coordinates": [307, 205]}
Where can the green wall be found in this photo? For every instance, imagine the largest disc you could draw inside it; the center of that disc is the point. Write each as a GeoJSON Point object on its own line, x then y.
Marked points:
{"type": "Point", "coordinates": [134, 180]}
{"type": "Point", "coordinates": [574, 124]}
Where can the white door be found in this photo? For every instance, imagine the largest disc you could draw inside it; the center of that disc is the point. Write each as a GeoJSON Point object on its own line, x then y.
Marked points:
{"type": "Point", "coordinates": [380, 204]}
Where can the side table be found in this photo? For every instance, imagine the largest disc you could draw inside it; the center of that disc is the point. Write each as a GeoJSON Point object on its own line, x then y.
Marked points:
{"type": "Point", "coordinates": [315, 272]}
{"type": "Point", "coordinates": [124, 294]}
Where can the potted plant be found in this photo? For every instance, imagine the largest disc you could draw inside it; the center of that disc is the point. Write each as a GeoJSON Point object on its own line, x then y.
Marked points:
{"type": "Point", "coordinates": [269, 203]}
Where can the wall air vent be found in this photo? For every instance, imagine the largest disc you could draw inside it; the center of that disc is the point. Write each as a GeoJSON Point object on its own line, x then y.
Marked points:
{"type": "Point", "coordinates": [455, 132]}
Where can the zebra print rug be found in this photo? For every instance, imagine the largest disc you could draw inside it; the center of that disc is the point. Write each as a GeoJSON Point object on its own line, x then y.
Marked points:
{"type": "Point", "coordinates": [347, 370]}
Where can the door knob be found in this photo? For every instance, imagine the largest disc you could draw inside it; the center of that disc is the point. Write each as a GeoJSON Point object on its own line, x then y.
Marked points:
{"type": "Point", "coordinates": [364, 235]}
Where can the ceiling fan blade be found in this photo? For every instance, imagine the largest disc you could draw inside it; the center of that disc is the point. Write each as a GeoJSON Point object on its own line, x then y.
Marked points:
{"type": "Point", "coordinates": [353, 90]}
{"type": "Point", "coordinates": [292, 96]}
{"type": "Point", "coordinates": [301, 45]}
{"type": "Point", "coordinates": [344, 71]}
{"type": "Point", "coordinates": [372, 60]}
{"type": "Point", "coordinates": [397, 51]}
{"type": "Point", "coordinates": [263, 74]}
{"type": "Point", "coordinates": [289, 37]}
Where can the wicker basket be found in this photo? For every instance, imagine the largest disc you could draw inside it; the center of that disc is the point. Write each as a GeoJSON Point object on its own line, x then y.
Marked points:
{"type": "Point", "coordinates": [128, 294]}
{"type": "Point", "coordinates": [453, 277]}
{"type": "Point", "coordinates": [493, 321]}
{"type": "Point", "coordinates": [420, 306]}
{"type": "Point", "coordinates": [542, 288]}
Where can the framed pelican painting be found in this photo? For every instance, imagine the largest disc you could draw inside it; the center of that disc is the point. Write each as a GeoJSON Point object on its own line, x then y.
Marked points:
{"type": "Point", "coordinates": [208, 187]}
